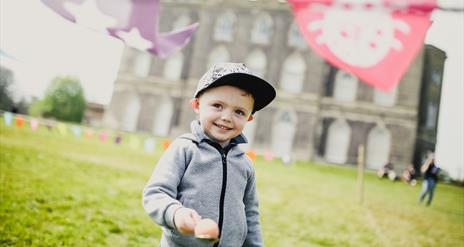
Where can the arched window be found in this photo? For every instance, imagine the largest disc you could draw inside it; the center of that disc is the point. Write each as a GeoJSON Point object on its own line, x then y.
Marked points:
{"type": "Point", "coordinates": [181, 22]}
{"type": "Point", "coordinates": [257, 61]}
{"type": "Point", "coordinates": [224, 28]}
{"type": "Point", "coordinates": [262, 30]}
{"type": "Point", "coordinates": [131, 113]}
{"type": "Point", "coordinates": [385, 98]}
{"type": "Point", "coordinates": [295, 39]}
{"type": "Point", "coordinates": [283, 133]}
{"type": "Point", "coordinates": [338, 141]}
{"type": "Point", "coordinates": [163, 116]}
{"type": "Point", "coordinates": [378, 147]}
{"type": "Point", "coordinates": [249, 132]}
{"type": "Point", "coordinates": [218, 55]}
{"type": "Point", "coordinates": [346, 86]}
{"type": "Point", "coordinates": [142, 64]}
{"type": "Point", "coordinates": [293, 73]}
{"type": "Point", "coordinates": [173, 66]}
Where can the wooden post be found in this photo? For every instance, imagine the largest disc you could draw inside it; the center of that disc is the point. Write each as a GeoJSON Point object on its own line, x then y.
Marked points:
{"type": "Point", "coordinates": [361, 173]}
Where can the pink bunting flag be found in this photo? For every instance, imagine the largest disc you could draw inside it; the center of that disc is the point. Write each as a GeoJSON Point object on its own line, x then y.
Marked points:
{"type": "Point", "coordinates": [133, 21]}
{"type": "Point", "coordinates": [34, 124]}
{"type": "Point", "coordinates": [376, 40]}
{"type": "Point", "coordinates": [103, 136]}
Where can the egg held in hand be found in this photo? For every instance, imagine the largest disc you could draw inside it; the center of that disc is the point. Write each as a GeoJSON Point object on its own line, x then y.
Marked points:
{"type": "Point", "coordinates": [206, 229]}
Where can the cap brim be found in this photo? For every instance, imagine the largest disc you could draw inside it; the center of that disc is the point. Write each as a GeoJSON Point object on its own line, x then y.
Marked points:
{"type": "Point", "coordinates": [263, 92]}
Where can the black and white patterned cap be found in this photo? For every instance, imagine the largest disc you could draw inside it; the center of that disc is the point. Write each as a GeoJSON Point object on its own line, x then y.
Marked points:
{"type": "Point", "coordinates": [238, 75]}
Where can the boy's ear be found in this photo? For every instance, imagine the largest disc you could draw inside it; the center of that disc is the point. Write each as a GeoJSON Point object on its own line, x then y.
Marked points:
{"type": "Point", "coordinates": [195, 105]}
{"type": "Point", "coordinates": [250, 118]}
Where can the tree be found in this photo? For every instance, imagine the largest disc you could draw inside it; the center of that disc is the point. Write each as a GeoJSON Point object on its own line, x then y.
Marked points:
{"type": "Point", "coordinates": [6, 78]}
{"type": "Point", "coordinates": [64, 100]}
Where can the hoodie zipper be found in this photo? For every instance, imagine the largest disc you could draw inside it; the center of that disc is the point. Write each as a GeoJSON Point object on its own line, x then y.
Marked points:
{"type": "Point", "coordinates": [223, 153]}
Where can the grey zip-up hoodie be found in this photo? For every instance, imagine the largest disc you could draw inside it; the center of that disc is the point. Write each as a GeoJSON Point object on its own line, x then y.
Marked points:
{"type": "Point", "coordinates": [219, 183]}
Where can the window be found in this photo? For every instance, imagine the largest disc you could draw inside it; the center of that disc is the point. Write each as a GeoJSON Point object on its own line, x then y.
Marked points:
{"type": "Point", "coordinates": [131, 113]}
{"type": "Point", "coordinates": [173, 67]}
{"type": "Point", "coordinates": [385, 98]}
{"type": "Point", "coordinates": [181, 22]}
{"type": "Point", "coordinates": [262, 30]}
{"type": "Point", "coordinates": [293, 74]}
{"type": "Point", "coordinates": [163, 116]}
{"type": "Point", "coordinates": [346, 86]}
{"type": "Point", "coordinates": [378, 147]}
{"type": "Point", "coordinates": [432, 115]}
{"type": "Point", "coordinates": [142, 64]}
{"type": "Point", "coordinates": [218, 55]}
{"type": "Point", "coordinates": [224, 29]}
{"type": "Point", "coordinates": [256, 61]}
{"type": "Point", "coordinates": [338, 141]}
{"type": "Point", "coordinates": [249, 132]}
{"type": "Point", "coordinates": [283, 133]}
{"type": "Point", "coordinates": [295, 39]}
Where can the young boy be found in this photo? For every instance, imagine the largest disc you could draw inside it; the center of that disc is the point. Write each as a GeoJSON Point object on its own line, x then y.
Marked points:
{"type": "Point", "coordinates": [204, 174]}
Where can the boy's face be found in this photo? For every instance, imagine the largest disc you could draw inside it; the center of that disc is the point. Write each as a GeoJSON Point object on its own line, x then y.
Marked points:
{"type": "Point", "coordinates": [223, 112]}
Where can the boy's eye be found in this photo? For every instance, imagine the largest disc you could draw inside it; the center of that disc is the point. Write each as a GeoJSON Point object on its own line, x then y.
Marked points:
{"type": "Point", "coordinates": [239, 112]}
{"type": "Point", "coordinates": [217, 106]}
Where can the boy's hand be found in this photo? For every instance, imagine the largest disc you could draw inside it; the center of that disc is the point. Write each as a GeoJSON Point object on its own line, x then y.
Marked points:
{"type": "Point", "coordinates": [185, 220]}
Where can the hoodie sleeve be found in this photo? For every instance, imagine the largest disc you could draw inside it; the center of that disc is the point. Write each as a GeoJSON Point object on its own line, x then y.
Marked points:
{"type": "Point", "coordinates": [160, 193]}
{"type": "Point", "coordinates": [254, 237]}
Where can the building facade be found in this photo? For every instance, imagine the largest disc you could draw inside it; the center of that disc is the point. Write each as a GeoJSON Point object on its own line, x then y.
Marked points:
{"type": "Point", "coordinates": [320, 113]}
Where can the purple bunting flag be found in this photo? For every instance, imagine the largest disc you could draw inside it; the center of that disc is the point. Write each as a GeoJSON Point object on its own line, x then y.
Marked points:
{"type": "Point", "coordinates": [135, 22]}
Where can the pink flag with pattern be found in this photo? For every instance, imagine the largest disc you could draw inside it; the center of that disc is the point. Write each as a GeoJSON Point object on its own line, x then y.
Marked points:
{"type": "Point", "coordinates": [376, 40]}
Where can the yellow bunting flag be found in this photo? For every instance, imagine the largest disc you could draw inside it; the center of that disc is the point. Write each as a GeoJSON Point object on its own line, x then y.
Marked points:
{"type": "Point", "coordinates": [133, 142]}
{"type": "Point", "coordinates": [62, 129]}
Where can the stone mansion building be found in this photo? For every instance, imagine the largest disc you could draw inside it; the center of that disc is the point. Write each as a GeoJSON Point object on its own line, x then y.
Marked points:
{"type": "Point", "coordinates": [320, 113]}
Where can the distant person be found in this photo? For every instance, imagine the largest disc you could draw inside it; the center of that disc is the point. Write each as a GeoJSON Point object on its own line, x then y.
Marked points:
{"type": "Point", "coordinates": [409, 175]}
{"type": "Point", "coordinates": [430, 172]}
{"type": "Point", "coordinates": [204, 173]}
{"type": "Point", "coordinates": [387, 171]}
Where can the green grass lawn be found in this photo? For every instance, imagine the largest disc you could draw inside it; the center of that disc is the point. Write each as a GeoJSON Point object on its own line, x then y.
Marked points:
{"type": "Point", "coordinates": [64, 191]}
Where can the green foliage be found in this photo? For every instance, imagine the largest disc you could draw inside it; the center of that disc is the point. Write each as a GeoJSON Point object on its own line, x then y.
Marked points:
{"type": "Point", "coordinates": [6, 79]}
{"type": "Point", "coordinates": [64, 100]}
{"type": "Point", "coordinates": [64, 191]}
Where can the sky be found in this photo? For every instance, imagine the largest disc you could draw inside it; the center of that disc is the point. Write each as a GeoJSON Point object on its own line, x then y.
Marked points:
{"type": "Point", "coordinates": [44, 45]}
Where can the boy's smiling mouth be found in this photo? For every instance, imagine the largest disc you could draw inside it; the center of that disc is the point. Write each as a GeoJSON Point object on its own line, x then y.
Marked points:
{"type": "Point", "coordinates": [222, 126]}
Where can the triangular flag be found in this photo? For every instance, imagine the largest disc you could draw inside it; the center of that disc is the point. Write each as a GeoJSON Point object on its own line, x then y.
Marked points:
{"type": "Point", "coordinates": [34, 124]}
{"type": "Point", "coordinates": [133, 21]}
{"type": "Point", "coordinates": [62, 129]}
{"type": "Point", "coordinates": [7, 118]}
{"type": "Point", "coordinates": [376, 40]}
{"type": "Point", "coordinates": [19, 121]}
{"type": "Point", "coordinates": [149, 145]}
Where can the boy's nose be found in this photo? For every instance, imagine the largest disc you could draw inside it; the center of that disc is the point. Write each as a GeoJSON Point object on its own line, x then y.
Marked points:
{"type": "Point", "coordinates": [226, 115]}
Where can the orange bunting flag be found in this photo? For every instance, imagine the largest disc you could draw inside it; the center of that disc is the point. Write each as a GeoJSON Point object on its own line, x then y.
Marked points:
{"type": "Point", "coordinates": [89, 134]}
{"type": "Point", "coordinates": [19, 121]}
{"type": "Point", "coordinates": [251, 154]}
{"type": "Point", "coordinates": [166, 143]}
